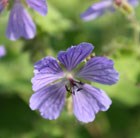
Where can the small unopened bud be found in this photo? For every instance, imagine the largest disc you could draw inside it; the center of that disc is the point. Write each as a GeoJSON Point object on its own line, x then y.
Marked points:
{"type": "Point", "coordinates": [90, 56]}
{"type": "Point", "coordinates": [127, 7]}
{"type": "Point", "coordinates": [124, 6]}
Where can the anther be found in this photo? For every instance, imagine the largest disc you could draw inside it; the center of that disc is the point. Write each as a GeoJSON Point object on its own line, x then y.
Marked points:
{"type": "Point", "coordinates": [79, 89]}
{"type": "Point", "coordinates": [67, 88]}
{"type": "Point", "coordinates": [81, 83]}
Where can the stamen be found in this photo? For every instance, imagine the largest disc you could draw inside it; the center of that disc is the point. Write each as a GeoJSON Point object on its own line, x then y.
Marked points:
{"type": "Point", "coordinates": [79, 89]}
{"type": "Point", "coordinates": [67, 88]}
{"type": "Point", "coordinates": [74, 86]}
{"type": "Point", "coordinates": [81, 83]}
{"type": "Point", "coordinates": [73, 92]}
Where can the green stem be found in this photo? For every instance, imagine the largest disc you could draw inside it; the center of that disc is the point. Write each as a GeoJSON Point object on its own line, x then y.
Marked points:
{"type": "Point", "coordinates": [136, 28]}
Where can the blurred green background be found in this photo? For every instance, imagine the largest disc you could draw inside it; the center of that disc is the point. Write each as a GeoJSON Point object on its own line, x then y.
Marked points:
{"type": "Point", "coordinates": [113, 35]}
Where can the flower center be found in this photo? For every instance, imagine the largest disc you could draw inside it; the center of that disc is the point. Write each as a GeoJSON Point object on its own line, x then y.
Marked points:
{"type": "Point", "coordinates": [69, 75]}
{"type": "Point", "coordinates": [73, 86]}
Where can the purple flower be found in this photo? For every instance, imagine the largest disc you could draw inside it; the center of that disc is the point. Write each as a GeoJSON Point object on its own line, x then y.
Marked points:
{"type": "Point", "coordinates": [99, 8]}
{"type": "Point", "coordinates": [20, 23]}
{"type": "Point", "coordinates": [53, 79]}
{"type": "Point", "coordinates": [2, 51]}
{"type": "Point", "coordinates": [38, 5]}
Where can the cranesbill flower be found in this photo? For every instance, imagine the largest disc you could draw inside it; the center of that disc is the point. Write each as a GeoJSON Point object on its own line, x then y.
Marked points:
{"type": "Point", "coordinates": [2, 51]}
{"type": "Point", "coordinates": [20, 23]}
{"type": "Point", "coordinates": [99, 8]}
{"type": "Point", "coordinates": [53, 79]}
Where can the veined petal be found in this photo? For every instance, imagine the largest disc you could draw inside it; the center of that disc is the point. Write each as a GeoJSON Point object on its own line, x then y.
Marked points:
{"type": "Point", "coordinates": [89, 101]}
{"type": "Point", "coordinates": [46, 71]}
{"type": "Point", "coordinates": [20, 24]}
{"type": "Point", "coordinates": [49, 100]}
{"type": "Point", "coordinates": [97, 9]}
{"type": "Point", "coordinates": [38, 5]}
{"type": "Point", "coordinates": [99, 69]}
{"type": "Point", "coordinates": [74, 55]}
{"type": "Point", "coordinates": [103, 100]}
